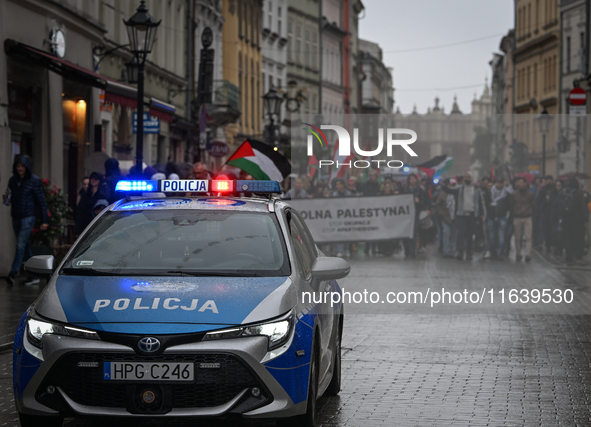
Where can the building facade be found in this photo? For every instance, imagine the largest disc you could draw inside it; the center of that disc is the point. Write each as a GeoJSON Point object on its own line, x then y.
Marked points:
{"type": "Point", "coordinates": [574, 132]}
{"type": "Point", "coordinates": [377, 89]}
{"type": "Point", "coordinates": [65, 98]}
{"type": "Point", "coordinates": [43, 113]}
{"type": "Point", "coordinates": [242, 59]}
{"type": "Point", "coordinates": [274, 71]}
{"type": "Point", "coordinates": [303, 55]}
{"type": "Point", "coordinates": [536, 59]}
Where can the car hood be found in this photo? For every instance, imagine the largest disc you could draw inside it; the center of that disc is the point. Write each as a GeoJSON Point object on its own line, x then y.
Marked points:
{"type": "Point", "coordinates": [164, 304]}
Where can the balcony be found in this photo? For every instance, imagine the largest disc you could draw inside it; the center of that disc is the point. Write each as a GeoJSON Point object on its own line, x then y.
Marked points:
{"type": "Point", "coordinates": [225, 107]}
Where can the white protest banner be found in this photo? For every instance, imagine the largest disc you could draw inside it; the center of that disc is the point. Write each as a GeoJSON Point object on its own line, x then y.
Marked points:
{"type": "Point", "coordinates": [351, 219]}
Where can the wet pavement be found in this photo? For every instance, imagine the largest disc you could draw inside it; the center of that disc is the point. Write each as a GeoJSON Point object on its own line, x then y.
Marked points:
{"type": "Point", "coordinates": [467, 364]}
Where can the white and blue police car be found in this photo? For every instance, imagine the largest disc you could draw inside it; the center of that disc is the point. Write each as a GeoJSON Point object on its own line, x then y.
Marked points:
{"type": "Point", "coordinates": [183, 307]}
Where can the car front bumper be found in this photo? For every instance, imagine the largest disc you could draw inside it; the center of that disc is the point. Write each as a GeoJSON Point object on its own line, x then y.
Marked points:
{"type": "Point", "coordinates": [244, 364]}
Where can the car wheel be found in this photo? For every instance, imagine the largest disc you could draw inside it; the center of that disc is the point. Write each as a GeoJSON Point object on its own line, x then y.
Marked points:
{"type": "Point", "coordinates": [334, 387]}
{"type": "Point", "coordinates": [37, 420]}
{"type": "Point", "coordinates": [309, 418]}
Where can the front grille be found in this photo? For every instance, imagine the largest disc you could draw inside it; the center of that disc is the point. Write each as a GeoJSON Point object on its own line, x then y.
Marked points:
{"type": "Point", "coordinates": [211, 387]}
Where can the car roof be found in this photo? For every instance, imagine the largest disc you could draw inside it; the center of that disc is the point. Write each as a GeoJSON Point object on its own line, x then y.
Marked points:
{"type": "Point", "coordinates": [198, 203]}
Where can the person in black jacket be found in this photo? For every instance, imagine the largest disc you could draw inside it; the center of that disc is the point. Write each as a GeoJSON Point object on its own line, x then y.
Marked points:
{"type": "Point", "coordinates": [25, 194]}
{"type": "Point", "coordinates": [112, 176]}
{"type": "Point", "coordinates": [573, 215]}
{"type": "Point", "coordinates": [89, 198]}
{"type": "Point", "coordinates": [421, 200]}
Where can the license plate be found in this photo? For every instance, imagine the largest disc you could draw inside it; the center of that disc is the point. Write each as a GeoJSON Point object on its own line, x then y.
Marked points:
{"type": "Point", "coordinates": [148, 371]}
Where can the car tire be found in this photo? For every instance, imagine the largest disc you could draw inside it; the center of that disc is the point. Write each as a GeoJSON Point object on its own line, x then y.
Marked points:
{"type": "Point", "coordinates": [38, 420]}
{"type": "Point", "coordinates": [309, 418]}
{"type": "Point", "coordinates": [334, 387]}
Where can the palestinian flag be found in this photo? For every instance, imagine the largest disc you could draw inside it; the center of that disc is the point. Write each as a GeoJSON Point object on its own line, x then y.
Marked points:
{"type": "Point", "coordinates": [261, 161]}
{"type": "Point", "coordinates": [312, 166]}
{"type": "Point", "coordinates": [337, 158]}
{"type": "Point", "coordinates": [437, 166]}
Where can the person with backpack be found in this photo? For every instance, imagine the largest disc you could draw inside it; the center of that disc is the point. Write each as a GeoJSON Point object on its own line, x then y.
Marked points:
{"type": "Point", "coordinates": [573, 215]}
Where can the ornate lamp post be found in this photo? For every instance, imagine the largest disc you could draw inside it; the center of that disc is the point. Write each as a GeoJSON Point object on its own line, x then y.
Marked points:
{"type": "Point", "coordinates": [544, 120]}
{"type": "Point", "coordinates": [141, 29]}
{"type": "Point", "coordinates": [272, 101]}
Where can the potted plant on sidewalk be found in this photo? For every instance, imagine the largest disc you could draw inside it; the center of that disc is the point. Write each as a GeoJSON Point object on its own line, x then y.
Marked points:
{"type": "Point", "coordinates": [51, 241]}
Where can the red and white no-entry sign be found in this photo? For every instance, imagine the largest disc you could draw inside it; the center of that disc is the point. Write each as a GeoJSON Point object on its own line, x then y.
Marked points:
{"type": "Point", "coordinates": [577, 96]}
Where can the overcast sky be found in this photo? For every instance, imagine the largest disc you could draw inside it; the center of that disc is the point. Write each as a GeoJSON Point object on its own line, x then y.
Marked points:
{"type": "Point", "coordinates": [404, 25]}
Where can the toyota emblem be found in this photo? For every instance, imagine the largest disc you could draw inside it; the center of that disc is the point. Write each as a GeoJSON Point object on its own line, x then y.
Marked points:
{"type": "Point", "coordinates": [149, 344]}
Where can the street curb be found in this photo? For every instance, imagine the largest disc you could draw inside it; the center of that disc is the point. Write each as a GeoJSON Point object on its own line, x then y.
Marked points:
{"type": "Point", "coordinates": [6, 347]}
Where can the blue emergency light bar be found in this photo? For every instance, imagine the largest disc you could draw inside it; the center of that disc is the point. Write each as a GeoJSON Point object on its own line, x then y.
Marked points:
{"type": "Point", "coordinates": [197, 186]}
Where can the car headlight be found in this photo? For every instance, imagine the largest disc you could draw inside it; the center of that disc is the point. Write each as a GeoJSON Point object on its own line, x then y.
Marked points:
{"type": "Point", "coordinates": [36, 329]}
{"type": "Point", "coordinates": [277, 332]}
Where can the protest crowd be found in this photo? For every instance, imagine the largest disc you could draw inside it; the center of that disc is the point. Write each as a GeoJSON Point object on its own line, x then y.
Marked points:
{"type": "Point", "coordinates": [457, 214]}
{"type": "Point", "coordinates": [462, 216]}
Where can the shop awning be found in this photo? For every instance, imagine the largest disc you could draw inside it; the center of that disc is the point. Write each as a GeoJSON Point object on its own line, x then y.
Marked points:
{"type": "Point", "coordinates": [57, 65]}
{"type": "Point", "coordinates": [162, 110]}
{"type": "Point", "coordinates": [115, 92]}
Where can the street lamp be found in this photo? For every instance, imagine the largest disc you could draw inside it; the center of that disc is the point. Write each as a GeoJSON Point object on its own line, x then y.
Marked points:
{"type": "Point", "coordinates": [141, 30]}
{"type": "Point", "coordinates": [132, 71]}
{"type": "Point", "coordinates": [544, 120]}
{"type": "Point", "coordinates": [272, 101]}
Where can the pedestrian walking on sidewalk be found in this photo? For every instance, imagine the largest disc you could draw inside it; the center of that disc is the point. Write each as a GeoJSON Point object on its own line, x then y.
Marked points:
{"type": "Point", "coordinates": [522, 210]}
{"type": "Point", "coordinates": [25, 197]}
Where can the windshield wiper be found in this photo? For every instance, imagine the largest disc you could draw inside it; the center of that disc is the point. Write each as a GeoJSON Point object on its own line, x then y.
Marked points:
{"type": "Point", "coordinates": [213, 273]}
{"type": "Point", "coordinates": [86, 271]}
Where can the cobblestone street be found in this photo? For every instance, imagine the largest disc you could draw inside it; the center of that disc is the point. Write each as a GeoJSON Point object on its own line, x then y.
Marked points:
{"type": "Point", "coordinates": [482, 364]}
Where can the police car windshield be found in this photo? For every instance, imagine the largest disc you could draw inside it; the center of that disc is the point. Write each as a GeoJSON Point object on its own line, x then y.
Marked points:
{"type": "Point", "coordinates": [181, 242]}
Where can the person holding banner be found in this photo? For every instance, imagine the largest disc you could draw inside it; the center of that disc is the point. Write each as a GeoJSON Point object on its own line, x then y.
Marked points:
{"type": "Point", "coordinates": [339, 190]}
{"type": "Point", "coordinates": [413, 187]}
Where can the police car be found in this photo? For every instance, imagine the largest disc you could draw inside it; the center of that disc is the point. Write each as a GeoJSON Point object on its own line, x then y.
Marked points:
{"type": "Point", "coordinates": [197, 306]}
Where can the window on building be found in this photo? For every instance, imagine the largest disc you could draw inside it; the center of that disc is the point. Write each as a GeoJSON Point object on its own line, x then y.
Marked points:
{"type": "Point", "coordinates": [315, 50]}
{"type": "Point", "coordinates": [555, 69]}
{"type": "Point", "coordinates": [245, 25]}
{"type": "Point", "coordinates": [240, 28]}
{"type": "Point", "coordinates": [253, 24]}
{"type": "Point", "coordinates": [241, 88]}
{"type": "Point", "coordinates": [298, 44]}
{"type": "Point", "coordinates": [252, 93]}
{"type": "Point", "coordinates": [535, 79]}
{"type": "Point", "coordinates": [529, 18]}
{"type": "Point", "coordinates": [568, 54]}
{"type": "Point", "coordinates": [279, 21]}
{"type": "Point", "coordinates": [290, 41]}
{"type": "Point", "coordinates": [527, 83]}
{"type": "Point", "coordinates": [307, 52]}
{"type": "Point", "coordinates": [537, 15]}
{"type": "Point", "coordinates": [581, 53]}
{"type": "Point", "coordinates": [259, 94]}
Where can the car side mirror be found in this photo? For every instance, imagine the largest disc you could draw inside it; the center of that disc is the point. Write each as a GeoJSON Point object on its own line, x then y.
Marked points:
{"type": "Point", "coordinates": [330, 268]}
{"type": "Point", "coordinates": [40, 266]}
